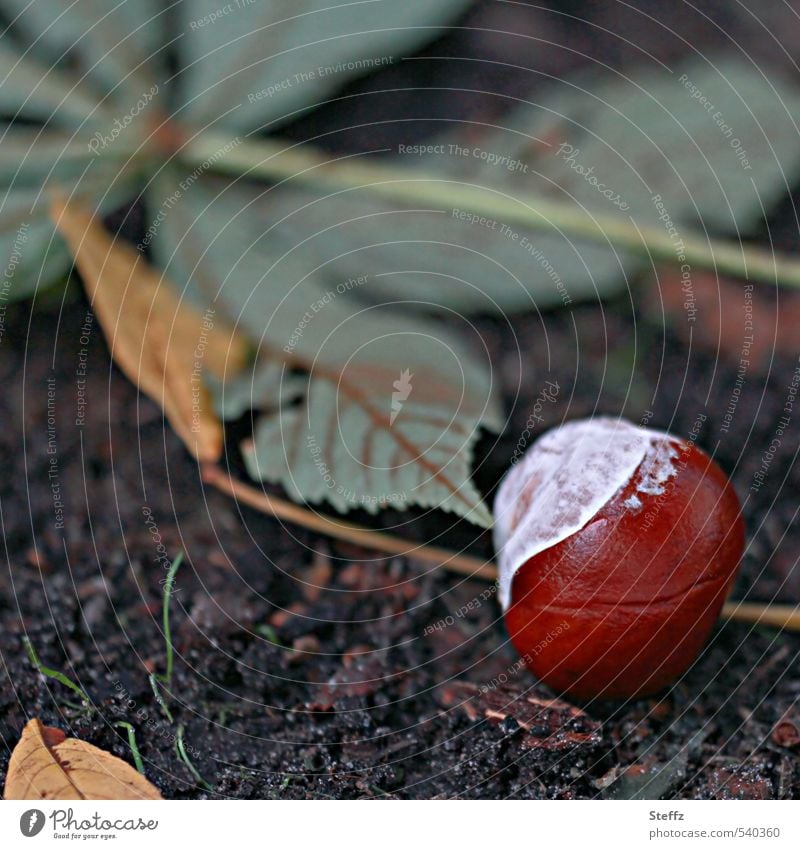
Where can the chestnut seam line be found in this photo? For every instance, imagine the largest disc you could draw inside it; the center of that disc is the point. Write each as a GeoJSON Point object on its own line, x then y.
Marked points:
{"type": "Point", "coordinates": [632, 602]}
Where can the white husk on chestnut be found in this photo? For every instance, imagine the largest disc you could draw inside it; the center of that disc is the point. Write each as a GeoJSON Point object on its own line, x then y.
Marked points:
{"type": "Point", "coordinates": [565, 478]}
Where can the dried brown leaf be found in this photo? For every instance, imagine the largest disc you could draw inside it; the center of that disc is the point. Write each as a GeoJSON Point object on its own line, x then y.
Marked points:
{"type": "Point", "coordinates": [152, 334]}
{"type": "Point", "coordinates": [46, 764]}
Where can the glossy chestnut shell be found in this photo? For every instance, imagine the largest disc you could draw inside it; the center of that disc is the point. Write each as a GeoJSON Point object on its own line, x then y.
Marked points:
{"type": "Point", "coordinates": [623, 606]}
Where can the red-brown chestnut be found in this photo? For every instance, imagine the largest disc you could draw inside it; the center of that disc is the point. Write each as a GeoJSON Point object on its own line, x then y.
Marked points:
{"type": "Point", "coordinates": [617, 546]}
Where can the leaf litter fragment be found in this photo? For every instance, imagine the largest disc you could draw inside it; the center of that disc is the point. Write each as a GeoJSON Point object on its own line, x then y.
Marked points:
{"type": "Point", "coordinates": [159, 341]}
{"type": "Point", "coordinates": [334, 427]}
{"type": "Point", "coordinates": [543, 147]}
{"type": "Point", "coordinates": [362, 673]}
{"type": "Point", "coordinates": [46, 764]}
{"type": "Point", "coordinates": [549, 723]}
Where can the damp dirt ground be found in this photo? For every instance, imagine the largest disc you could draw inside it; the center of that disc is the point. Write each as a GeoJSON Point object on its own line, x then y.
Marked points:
{"type": "Point", "coordinates": [306, 668]}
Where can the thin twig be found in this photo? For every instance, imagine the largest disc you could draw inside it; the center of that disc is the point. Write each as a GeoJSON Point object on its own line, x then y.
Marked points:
{"type": "Point", "coordinates": [302, 164]}
{"type": "Point", "coordinates": [781, 616]}
{"type": "Point", "coordinates": [776, 615]}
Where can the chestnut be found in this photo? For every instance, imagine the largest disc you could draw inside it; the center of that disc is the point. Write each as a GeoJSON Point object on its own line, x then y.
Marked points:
{"type": "Point", "coordinates": [617, 545]}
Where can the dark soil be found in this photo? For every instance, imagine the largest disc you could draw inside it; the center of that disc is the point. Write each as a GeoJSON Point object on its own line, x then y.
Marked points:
{"type": "Point", "coordinates": [311, 669]}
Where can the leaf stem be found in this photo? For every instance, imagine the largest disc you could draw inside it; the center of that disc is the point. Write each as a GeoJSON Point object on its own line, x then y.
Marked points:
{"type": "Point", "coordinates": [271, 160]}
{"type": "Point", "coordinates": [782, 616]}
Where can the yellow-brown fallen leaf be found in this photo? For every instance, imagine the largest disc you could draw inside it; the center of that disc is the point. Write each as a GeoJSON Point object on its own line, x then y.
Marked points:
{"type": "Point", "coordinates": [153, 336]}
{"type": "Point", "coordinates": [46, 764]}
